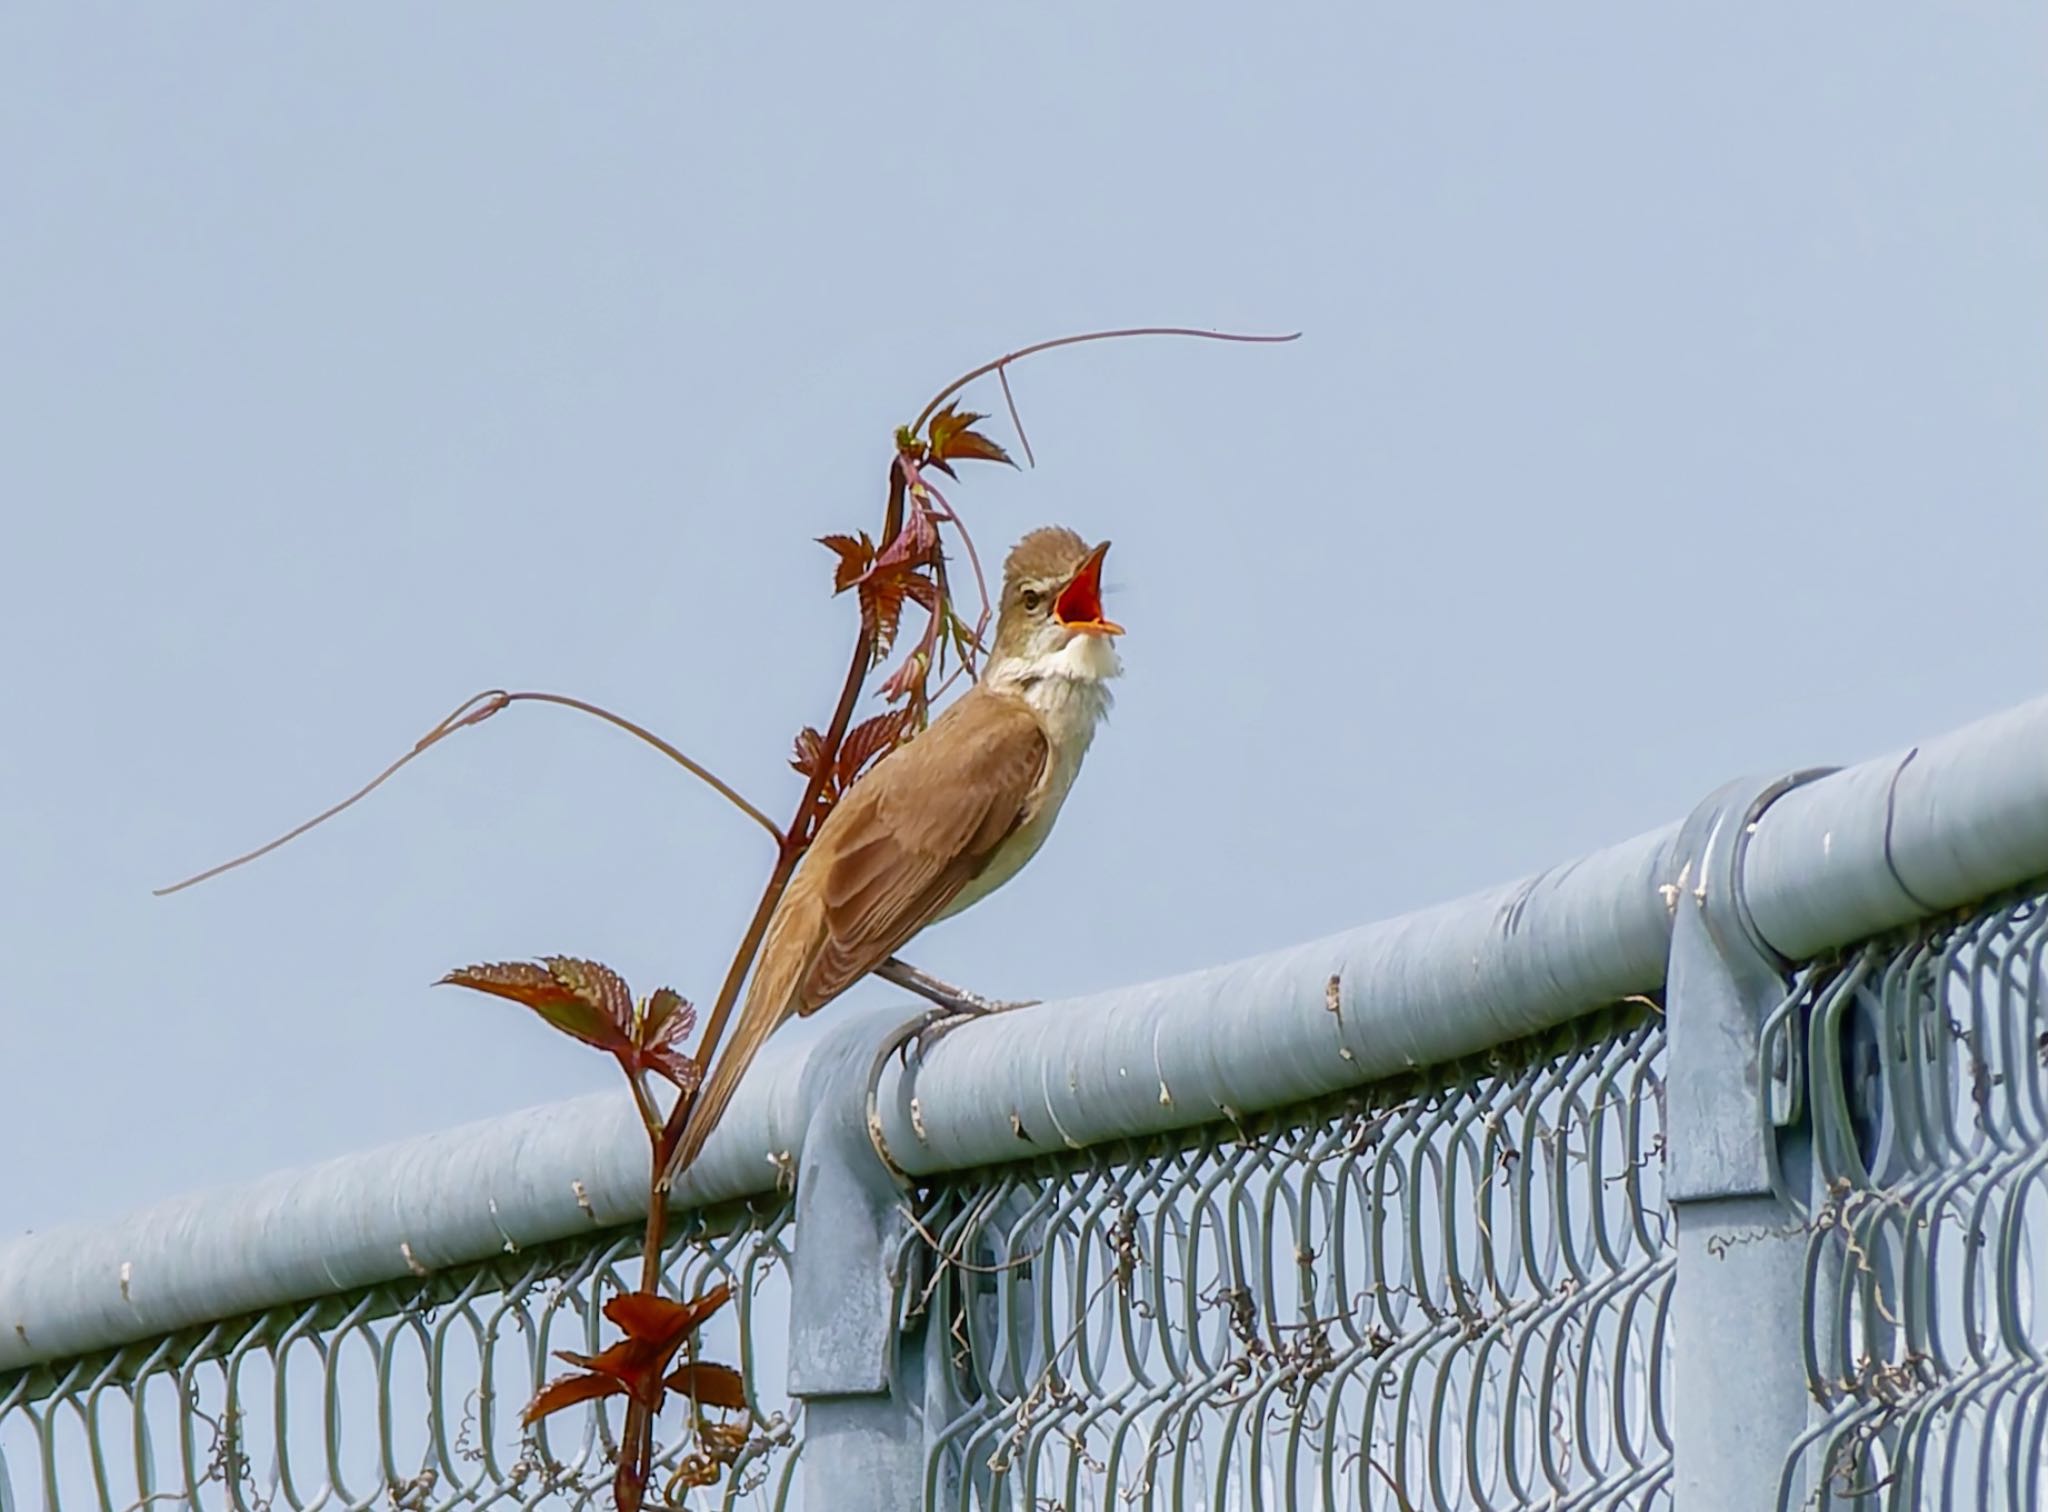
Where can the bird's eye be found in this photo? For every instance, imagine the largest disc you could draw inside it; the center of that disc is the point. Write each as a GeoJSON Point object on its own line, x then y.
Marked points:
{"type": "Point", "coordinates": [1032, 597]}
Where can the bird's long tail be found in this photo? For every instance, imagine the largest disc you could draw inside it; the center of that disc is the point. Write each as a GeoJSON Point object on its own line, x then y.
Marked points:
{"type": "Point", "coordinates": [771, 999]}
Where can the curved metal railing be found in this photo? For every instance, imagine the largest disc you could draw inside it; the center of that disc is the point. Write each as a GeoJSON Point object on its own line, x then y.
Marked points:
{"type": "Point", "coordinates": [1379, 1221]}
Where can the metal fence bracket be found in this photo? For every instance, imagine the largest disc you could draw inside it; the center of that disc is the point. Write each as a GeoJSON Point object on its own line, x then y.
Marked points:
{"type": "Point", "coordinates": [1740, 1283]}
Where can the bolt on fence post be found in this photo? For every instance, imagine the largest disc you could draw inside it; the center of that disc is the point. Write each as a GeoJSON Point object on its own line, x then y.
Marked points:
{"type": "Point", "coordinates": [863, 1396]}
{"type": "Point", "coordinates": [1737, 1370]}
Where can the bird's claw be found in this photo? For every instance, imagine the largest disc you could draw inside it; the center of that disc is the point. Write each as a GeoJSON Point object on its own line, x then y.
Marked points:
{"type": "Point", "coordinates": [940, 1022]}
{"type": "Point", "coordinates": [929, 1030]}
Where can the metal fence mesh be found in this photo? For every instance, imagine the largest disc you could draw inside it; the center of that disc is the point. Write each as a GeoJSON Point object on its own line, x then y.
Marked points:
{"type": "Point", "coordinates": [1922, 1059]}
{"type": "Point", "coordinates": [1451, 1292]}
{"type": "Point", "coordinates": [405, 1396]}
{"type": "Point", "coordinates": [1447, 1292]}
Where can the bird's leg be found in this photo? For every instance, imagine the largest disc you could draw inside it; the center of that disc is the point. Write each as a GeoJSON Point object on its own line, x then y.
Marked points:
{"type": "Point", "coordinates": [955, 1005]}
{"type": "Point", "coordinates": [955, 1000]}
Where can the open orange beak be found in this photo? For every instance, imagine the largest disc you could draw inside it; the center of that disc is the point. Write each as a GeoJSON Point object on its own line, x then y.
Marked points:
{"type": "Point", "coordinates": [1079, 606]}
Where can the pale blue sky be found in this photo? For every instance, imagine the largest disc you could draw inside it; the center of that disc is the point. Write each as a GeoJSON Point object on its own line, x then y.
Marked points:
{"type": "Point", "coordinates": [1671, 405]}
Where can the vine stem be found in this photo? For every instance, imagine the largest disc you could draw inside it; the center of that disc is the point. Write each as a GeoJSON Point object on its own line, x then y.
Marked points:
{"type": "Point", "coordinates": [474, 710]}
{"type": "Point", "coordinates": [797, 838]}
{"type": "Point", "coordinates": [1003, 362]}
{"type": "Point", "coordinates": [636, 1440]}
{"type": "Point", "coordinates": [689, 764]}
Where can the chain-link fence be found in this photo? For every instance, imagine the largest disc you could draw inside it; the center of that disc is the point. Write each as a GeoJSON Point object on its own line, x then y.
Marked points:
{"type": "Point", "coordinates": [405, 1395]}
{"type": "Point", "coordinates": [1926, 1062]}
{"type": "Point", "coordinates": [1455, 1285]}
{"type": "Point", "coordinates": [1456, 1281]}
{"type": "Point", "coordinates": [1505, 1246]}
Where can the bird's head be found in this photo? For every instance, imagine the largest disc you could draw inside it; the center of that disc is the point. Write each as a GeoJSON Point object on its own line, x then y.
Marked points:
{"type": "Point", "coordinates": [1050, 621]}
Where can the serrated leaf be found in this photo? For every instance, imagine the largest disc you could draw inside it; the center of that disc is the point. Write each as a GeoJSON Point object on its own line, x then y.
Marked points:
{"type": "Point", "coordinates": [882, 607]}
{"type": "Point", "coordinates": [669, 1016]}
{"type": "Point", "coordinates": [710, 1385]}
{"type": "Point", "coordinates": [898, 574]}
{"type": "Point", "coordinates": [868, 742]}
{"type": "Point", "coordinates": [598, 985]}
{"type": "Point", "coordinates": [906, 679]}
{"type": "Point", "coordinates": [973, 446]}
{"type": "Point", "coordinates": [567, 1392]}
{"type": "Point", "coordinates": [808, 753]}
{"type": "Point", "coordinates": [668, 1021]}
{"type": "Point", "coordinates": [662, 1320]}
{"type": "Point", "coordinates": [914, 545]}
{"type": "Point", "coordinates": [856, 554]}
{"type": "Point", "coordinates": [635, 1366]}
{"type": "Point", "coordinates": [951, 437]}
{"type": "Point", "coordinates": [949, 422]}
{"type": "Point", "coordinates": [882, 595]}
{"type": "Point", "coordinates": [679, 1069]}
{"type": "Point", "coordinates": [563, 1004]}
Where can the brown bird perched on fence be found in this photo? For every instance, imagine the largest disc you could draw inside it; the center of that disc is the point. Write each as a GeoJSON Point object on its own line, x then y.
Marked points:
{"type": "Point", "coordinates": [946, 820]}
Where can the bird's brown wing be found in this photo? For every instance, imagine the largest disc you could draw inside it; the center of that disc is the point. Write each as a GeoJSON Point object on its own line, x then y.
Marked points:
{"type": "Point", "coordinates": [916, 830]}
{"type": "Point", "coordinates": [894, 852]}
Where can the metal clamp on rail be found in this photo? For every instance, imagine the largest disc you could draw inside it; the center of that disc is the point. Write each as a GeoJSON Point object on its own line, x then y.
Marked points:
{"type": "Point", "coordinates": [1739, 1287]}
{"type": "Point", "coordinates": [1724, 979]}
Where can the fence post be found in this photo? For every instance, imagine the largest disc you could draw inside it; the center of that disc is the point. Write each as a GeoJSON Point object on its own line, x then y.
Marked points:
{"type": "Point", "coordinates": [1738, 1375]}
{"type": "Point", "coordinates": [863, 1396]}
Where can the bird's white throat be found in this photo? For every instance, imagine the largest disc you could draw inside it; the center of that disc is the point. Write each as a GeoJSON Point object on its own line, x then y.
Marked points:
{"type": "Point", "coordinates": [1068, 685]}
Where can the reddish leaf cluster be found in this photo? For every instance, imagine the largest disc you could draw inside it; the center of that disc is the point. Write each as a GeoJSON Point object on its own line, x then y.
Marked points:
{"type": "Point", "coordinates": [637, 1367]}
{"type": "Point", "coordinates": [856, 554]}
{"type": "Point", "coordinates": [911, 567]}
{"type": "Point", "coordinates": [888, 579]}
{"type": "Point", "coordinates": [951, 437]}
{"type": "Point", "coordinates": [865, 744]}
{"type": "Point", "coordinates": [590, 1002]}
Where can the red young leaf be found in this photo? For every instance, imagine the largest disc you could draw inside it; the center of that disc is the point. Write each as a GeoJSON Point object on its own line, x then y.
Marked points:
{"type": "Point", "coordinates": [597, 984]}
{"type": "Point", "coordinates": [973, 445]}
{"type": "Point", "coordinates": [920, 589]}
{"type": "Point", "coordinates": [948, 423]}
{"type": "Point", "coordinates": [668, 1016]}
{"type": "Point", "coordinates": [664, 1024]}
{"type": "Point", "coordinates": [906, 677]}
{"type": "Point", "coordinates": [881, 608]}
{"type": "Point", "coordinates": [624, 1368]}
{"type": "Point", "coordinates": [951, 437]}
{"type": "Point", "coordinates": [912, 546]}
{"type": "Point", "coordinates": [867, 743]}
{"type": "Point", "coordinates": [882, 595]}
{"type": "Point", "coordinates": [897, 573]}
{"type": "Point", "coordinates": [809, 751]}
{"type": "Point", "coordinates": [592, 1002]}
{"type": "Point", "coordinates": [710, 1385]}
{"type": "Point", "coordinates": [855, 555]}
{"type": "Point", "coordinates": [579, 1004]}
{"type": "Point", "coordinates": [663, 1320]}
{"type": "Point", "coordinates": [680, 1069]}
{"type": "Point", "coordinates": [567, 1392]}
{"type": "Point", "coordinates": [655, 1328]}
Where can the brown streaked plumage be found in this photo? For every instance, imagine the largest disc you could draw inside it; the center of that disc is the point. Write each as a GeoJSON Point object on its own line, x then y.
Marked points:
{"type": "Point", "coordinates": [941, 823]}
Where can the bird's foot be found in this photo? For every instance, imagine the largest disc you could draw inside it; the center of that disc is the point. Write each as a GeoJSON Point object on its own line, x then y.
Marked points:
{"type": "Point", "coordinates": [955, 1000]}
{"type": "Point", "coordinates": [940, 1022]}
{"type": "Point", "coordinates": [953, 1006]}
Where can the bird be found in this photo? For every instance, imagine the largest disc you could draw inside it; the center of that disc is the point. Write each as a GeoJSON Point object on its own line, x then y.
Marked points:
{"type": "Point", "coordinates": [945, 819]}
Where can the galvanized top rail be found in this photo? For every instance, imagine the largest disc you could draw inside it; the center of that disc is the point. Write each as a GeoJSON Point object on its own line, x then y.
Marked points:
{"type": "Point", "coordinates": [1826, 862]}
